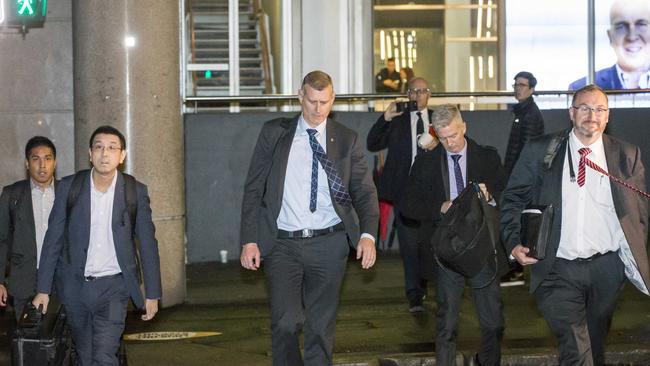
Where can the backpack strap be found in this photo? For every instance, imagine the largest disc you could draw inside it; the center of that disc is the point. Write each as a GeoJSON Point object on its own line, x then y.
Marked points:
{"type": "Point", "coordinates": [554, 146]}
{"type": "Point", "coordinates": [73, 195]}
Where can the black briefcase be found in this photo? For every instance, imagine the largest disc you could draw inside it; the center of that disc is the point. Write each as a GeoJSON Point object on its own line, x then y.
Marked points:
{"type": "Point", "coordinates": [42, 339]}
{"type": "Point", "coordinates": [536, 229]}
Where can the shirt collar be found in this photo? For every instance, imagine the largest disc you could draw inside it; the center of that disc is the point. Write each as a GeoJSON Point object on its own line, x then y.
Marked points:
{"type": "Point", "coordinates": [34, 186]}
{"type": "Point", "coordinates": [644, 80]}
{"type": "Point", "coordinates": [596, 147]}
{"type": "Point", "coordinates": [303, 126]}
{"type": "Point", "coordinates": [110, 188]}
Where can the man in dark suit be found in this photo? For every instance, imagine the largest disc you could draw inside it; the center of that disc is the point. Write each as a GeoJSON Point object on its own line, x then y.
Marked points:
{"type": "Point", "coordinates": [399, 132]}
{"type": "Point", "coordinates": [437, 177]}
{"type": "Point", "coordinates": [599, 231]}
{"type": "Point", "coordinates": [94, 259]}
{"type": "Point", "coordinates": [628, 35]}
{"type": "Point", "coordinates": [24, 210]}
{"type": "Point", "coordinates": [307, 177]}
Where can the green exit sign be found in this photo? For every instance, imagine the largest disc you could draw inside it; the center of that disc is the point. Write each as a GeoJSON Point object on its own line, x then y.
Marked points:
{"type": "Point", "coordinates": [23, 13]}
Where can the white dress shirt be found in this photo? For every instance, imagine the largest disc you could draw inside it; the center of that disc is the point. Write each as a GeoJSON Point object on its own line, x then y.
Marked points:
{"type": "Point", "coordinates": [589, 221]}
{"type": "Point", "coordinates": [295, 214]}
{"type": "Point", "coordinates": [42, 202]}
{"type": "Point", "coordinates": [414, 127]}
{"type": "Point", "coordinates": [644, 80]}
{"type": "Point", "coordinates": [101, 259]}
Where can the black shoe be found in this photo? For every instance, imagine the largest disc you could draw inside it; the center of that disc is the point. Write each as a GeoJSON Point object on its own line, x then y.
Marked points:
{"type": "Point", "coordinates": [512, 278]}
{"type": "Point", "coordinates": [415, 306]}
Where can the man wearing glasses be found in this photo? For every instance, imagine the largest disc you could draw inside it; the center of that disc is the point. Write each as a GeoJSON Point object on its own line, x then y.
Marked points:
{"type": "Point", "coordinates": [527, 123]}
{"type": "Point", "coordinates": [400, 132]}
{"type": "Point", "coordinates": [628, 35]}
{"type": "Point", "coordinates": [599, 233]}
{"type": "Point", "coordinates": [89, 247]}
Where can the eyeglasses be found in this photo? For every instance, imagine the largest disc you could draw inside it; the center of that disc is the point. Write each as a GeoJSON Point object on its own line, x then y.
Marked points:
{"type": "Point", "coordinates": [586, 109]}
{"type": "Point", "coordinates": [419, 91]}
{"type": "Point", "coordinates": [519, 85]}
{"type": "Point", "coordinates": [111, 149]}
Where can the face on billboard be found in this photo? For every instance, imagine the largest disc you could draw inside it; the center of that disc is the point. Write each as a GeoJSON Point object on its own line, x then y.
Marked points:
{"type": "Point", "coordinates": [629, 33]}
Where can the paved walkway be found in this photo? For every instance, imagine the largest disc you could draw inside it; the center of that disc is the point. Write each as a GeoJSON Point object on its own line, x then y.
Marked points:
{"type": "Point", "coordinates": [374, 326]}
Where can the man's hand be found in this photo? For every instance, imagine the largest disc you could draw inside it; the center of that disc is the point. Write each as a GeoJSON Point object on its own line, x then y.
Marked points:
{"type": "Point", "coordinates": [41, 299]}
{"type": "Point", "coordinates": [250, 256]}
{"type": "Point", "coordinates": [366, 252]}
{"type": "Point", "coordinates": [520, 253]}
{"type": "Point", "coordinates": [488, 196]}
{"type": "Point", "coordinates": [445, 207]}
{"type": "Point", "coordinates": [151, 308]}
{"type": "Point", "coordinates": [391, 112]}
{"type": "Point", "coordinates": [3, 295]}
{"type": "Point", "coordinates": [432, 145]}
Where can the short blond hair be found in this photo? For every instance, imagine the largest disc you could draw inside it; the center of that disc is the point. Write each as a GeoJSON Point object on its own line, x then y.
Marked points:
{"type": "Point", "coordinates": [316, 79]}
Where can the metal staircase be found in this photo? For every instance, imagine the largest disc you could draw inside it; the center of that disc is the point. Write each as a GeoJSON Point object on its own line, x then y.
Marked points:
{"type": "Point", "coordinates": [210, 42]}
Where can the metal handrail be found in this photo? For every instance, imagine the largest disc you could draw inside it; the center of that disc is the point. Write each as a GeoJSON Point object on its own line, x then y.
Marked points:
{"type": "Point", "coordinates": [371, 96]}
{"type": "Point", "coordinates": [260, 17]}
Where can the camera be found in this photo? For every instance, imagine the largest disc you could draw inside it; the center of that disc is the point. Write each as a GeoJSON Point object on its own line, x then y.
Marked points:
{"type": "Point", "coordinates": [410, 106]}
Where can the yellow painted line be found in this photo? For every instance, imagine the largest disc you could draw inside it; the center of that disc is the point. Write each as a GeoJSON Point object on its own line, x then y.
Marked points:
{"type": "Point", "coordinates": [167, 336]}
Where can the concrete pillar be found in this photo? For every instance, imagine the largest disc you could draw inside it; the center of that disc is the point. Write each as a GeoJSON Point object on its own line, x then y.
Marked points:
{"type": "Point", "coordinates": [126, 74]}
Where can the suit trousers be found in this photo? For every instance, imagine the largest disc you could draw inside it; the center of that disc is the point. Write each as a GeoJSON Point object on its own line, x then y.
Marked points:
{"type": "Point", "coordinates": [414, 283]}
{"type": "Point", "coordinates": [304, 280]}
{"type": "Point", "coordinates": [96, 318]}
{"type": "Point", "coordinates": [489, 308]}
{"type": "Point", "coordinates": [577, 299]}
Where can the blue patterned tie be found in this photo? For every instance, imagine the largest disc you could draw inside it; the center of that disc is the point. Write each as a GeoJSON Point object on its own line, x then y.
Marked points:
{"type": "Point", "coordinates": [339, 191]}
{"type": "Point", "coordinates": [460, 182]}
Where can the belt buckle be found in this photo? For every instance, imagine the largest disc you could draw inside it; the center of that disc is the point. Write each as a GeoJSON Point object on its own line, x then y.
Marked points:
{"type": "Point", "coordinates": [307, 233]}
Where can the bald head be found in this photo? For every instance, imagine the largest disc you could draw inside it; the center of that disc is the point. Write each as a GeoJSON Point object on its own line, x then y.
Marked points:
{"type": "Point", "coordinates": [629, 33]}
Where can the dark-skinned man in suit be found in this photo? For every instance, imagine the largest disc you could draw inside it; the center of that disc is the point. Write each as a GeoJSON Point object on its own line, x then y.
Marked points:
{"type": "Point", "coordinates": [24, 211]}
{"type": "Point", "coordinates": [399, 132]}
{"type": "Point", "coordinates": [307, 176]}
{"type": "Point", "coordinates": [437, 177]}
{"type": "Point", "coordinates": [599, 232]}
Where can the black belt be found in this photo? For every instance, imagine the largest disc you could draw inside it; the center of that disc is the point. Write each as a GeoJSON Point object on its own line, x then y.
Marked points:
{"type": "Point", "coordinates": [309, 233]}
{"type": "Point", "coordinates": [595, 256]}
{"type": "Point", "coordinates": [93, 278]}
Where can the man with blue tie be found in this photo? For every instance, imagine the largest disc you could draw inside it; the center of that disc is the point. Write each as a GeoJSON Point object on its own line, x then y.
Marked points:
{"type": "Point", "coordinates": [437, 177]}
{"type": "Point", "coordinates": [308, 175]}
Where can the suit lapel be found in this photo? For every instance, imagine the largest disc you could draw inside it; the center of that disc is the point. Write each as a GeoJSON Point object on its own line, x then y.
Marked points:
{"type": "Point", "coordinates": [612, 158]}
{"type": "Point", "coordinates": [27, 211]}
{"type": "Point", "coordinates": [119, 206]}
{"type": "Point", "coordinates": [332, 143]}
{"type": "Point", "coordinates": [444, 171]}
{"type": "Point", "coordinates": [282, 154]}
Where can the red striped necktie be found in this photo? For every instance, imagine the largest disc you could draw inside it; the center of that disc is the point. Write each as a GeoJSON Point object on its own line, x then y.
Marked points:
{"type": "Point", "coordinates": [581, 165]}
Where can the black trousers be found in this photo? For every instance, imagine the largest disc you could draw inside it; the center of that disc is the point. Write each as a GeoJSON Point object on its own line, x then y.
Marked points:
{"type": "Point", "coordinates": [489, 308]}
{"type": "Point", "coordinates": [304, 280]}
{"type": "Point", "coordinates": [96, 318]}
{"type": "Point", "coordinates": [577, 300]}
{"type": "Point", "coordinates": [415, 283]}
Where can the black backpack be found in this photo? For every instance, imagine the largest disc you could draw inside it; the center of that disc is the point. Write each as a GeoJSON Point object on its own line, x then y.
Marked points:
{"type": "Point", "coordinates": [130, 196]}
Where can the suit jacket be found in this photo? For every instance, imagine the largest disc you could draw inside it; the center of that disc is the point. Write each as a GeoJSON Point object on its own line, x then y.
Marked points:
{"type": "Point", "coordinates": [605, 78]}
{"type": "Point", "coordinates": [18, 239]}
{"type": "Point", "coordinates": [396, 136]}
{"type": "Point", "coordinates": [428, 185]}
{"type": "Point", "coordinates": [70, 276]}
{"type": "Point", "coordinates": [264, 185]}
{"type": "Point", "coordinates": [535, 182]}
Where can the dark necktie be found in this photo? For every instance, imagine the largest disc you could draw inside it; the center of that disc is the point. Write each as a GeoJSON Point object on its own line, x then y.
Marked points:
{"type": "Point", "coordinates": [460, 182]}
{"type": "Point", "coordinates": [339, 191]}
{"type": "Point", "coordinates": [581, 165]}
{"type": "Point", "coordinates": [419, 129]}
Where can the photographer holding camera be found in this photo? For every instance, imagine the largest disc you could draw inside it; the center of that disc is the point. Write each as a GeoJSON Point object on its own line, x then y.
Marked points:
{"type": "Point", "coordinates": [404, 130]}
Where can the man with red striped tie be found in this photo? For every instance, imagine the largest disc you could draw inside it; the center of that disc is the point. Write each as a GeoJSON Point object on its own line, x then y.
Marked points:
{"type": "Point", "coordinates": [599, 233]}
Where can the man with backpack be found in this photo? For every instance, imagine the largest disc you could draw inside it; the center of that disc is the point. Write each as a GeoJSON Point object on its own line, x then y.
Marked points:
{"type": "Point", "coordinates": [90, 248]}
{"type": "Point", "coordinates": [24, 210]}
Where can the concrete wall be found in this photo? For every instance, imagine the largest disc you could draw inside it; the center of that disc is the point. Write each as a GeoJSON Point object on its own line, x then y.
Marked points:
{"type": "Point", "coordinates": [36, 91]}
{"type": "Point", "coordinates": [218, 148]}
